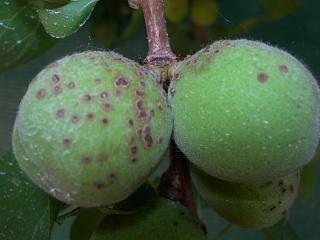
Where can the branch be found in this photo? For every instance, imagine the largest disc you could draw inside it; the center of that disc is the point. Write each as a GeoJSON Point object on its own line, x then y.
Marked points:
{"type": "Point", "coordinates": [159, 53]}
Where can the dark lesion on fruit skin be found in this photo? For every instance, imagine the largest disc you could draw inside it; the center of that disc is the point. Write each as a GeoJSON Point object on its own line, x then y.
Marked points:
{"type": "Point", "coordinates": [71, 85]}
{"type": "Point", "coordinates": [262, 77]}
{"type": "Point", "coordinates": [66, 142]}
{"type": "Point", "coordinates": [60, 112]}
{"type": "Point", "coordinates": [104, 121]}
{"type": "Point", "coordinates": [86, 97]}
{"type": "Point", "coordinates": [55, 78]}
{"type": "Point", "coordinates": [121, 82]}
{"type": "Point", "coordinates": [41, 93]}
{"type": "Point", "coordinates": [283, 68]}
{"type": "Point", "coordinates": [75, 118]}
{"type": "Point", "coordinates": [86, 159]}
{"type": "Point", "coordinates": [56, 89]}
{"type": "Point", "coordinates": [99, 185]}
{"type": "Point", "coordinates": [90, 116]}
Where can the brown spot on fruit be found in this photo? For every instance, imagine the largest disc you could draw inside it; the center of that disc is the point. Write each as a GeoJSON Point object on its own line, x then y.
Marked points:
{"type": "Point", "coordinates": [86, 160]}
{"type": "Point", "coordinates": [273, 208]}
{"type": "Point", "coordinates": [142, 114]}
{"type": "Point", "coordinates": [130, 122]}
{"type": "Point", "coordinates": [97, 80]}
{"type": "Point", "coordinates": [86, 97]}
{"type": "Point", "coordinates": [146, 130]}
{"type": "Point", "coordinates": [280, 183]}
{"type": "Point", "coordinates": [133, 160]}
{"type": "Point", "coordinates": [90, 116]}
{"type": "Point", "coordinates": [99, 184]}
{"type": "Point", "coordinates": [133, 149]}
{"type": "Point", "coordinates": [262, 77]}
{"type": "Point", "coordinates": [112, 176]}
{"type": "Point", "coordinates": [60, 113]}
{"type": "Point", "coordinates": [151, 113]}
{"type": "Point", "coordinates": [139, 132]}
{"type": "Point", "coordinates": [139, 104]}
{"type": "Point", "coordinates": [104, 121]}
{"type": "Point", "coordinates": [57, 89]}
{"type": "Point", "coordinates": [41, 93]}
{"type": "Point", "coordinates": [121, 82]}
{"type": "Point", "coordinates": [147, 141]}
{"type": "Point", "coordinates": [106, 107]}
{"type": "Point", "coordinates": [283, 69]}
{"type": "Point", "coordinates": [55, 78]}
{"type": "Point", "coordinates": [75, 118]}
{"type": "Point", "coordinates": [139, 93]}
{"type": "Point", "coordinates": [142, 83]}
{"type": "Point", "coordinates": [71, 85]}
{"type": "Point", "coordinates": [66, 142]}
{"type": "Point", "coordinates": [159, 140]}
{"type": "Point", "coordinates": [102, 157]}
{"type": "Point", "coordinates": [104, 94]}
{"type": "Point", "coordinates": [283, 190]}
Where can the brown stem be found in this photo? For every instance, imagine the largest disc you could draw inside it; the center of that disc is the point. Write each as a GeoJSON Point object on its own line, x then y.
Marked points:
{"type": "Point", "coordinates": [175, 182]}
{"type": "Point", "coordinates": [159, 53]}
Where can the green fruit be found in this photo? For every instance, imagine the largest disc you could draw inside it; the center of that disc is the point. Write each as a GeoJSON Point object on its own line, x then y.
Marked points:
{"type": "Point", "coordinates": [91, 128]}
{"type": "Point", "coordinates": [204, 12]}
{"type": "Point", "coordinates": [248, 205]}
{"type": "Point", "coordinates": [165, 221]}
{"type": "Point", "coordinates": [244, 111]}
{"type": "Point", "coordinates": [176, 10]}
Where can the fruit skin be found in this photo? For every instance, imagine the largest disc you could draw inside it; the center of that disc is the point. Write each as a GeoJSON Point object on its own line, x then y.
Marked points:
{"type": "Point", "coordinates": [165, 221]}
{"type": "Point", "coordinates": [91, 128]}
{"type": "Point", "coordinates": [244, 111]}
{"type": "Point", "coordinates": [248, 205]}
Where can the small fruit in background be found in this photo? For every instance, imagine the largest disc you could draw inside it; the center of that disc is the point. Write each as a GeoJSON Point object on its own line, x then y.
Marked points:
{"type": "Point", "coordinates": [167, 220]}
{"type": "Point", "coordinates": [176, 10]}
{"type": "Point", "coordinates": [248, 205]}
{"type": "Point", "coordinates": [245, 111]}
{"type": "Point", "coordinates": [91, 128]}
{"type": "Point", "coordinates": [204, 12]}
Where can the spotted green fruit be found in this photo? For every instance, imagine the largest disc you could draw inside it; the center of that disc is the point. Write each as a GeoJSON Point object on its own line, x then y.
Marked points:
{"type": "Point", "coordinates": [248, 205]}
{"type": "Point", "coordinates": [244, 111]}
{"type": "Point", "coordinates": [91, 128]}
{"type": "Point", "coordinates": [165, 221]}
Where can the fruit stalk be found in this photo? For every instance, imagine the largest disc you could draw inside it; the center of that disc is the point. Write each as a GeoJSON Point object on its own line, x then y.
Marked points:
{"type": "Point", "coordinates": [159, 53]}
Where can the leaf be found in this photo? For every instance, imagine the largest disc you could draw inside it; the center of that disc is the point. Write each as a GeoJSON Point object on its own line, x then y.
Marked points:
{"type": "Point", "coordinates": [86, 222]}
{"type": "Point", "coordinates": [21, 35]}
{"type": "Point", "coordinates": [55, 207]}
{"type": "Point", "coordinates": [276, 9]}
{"type": "Point", "coordinates": [66, 20]}
{"type": "Point", "coordinates": [24, 208]}
{"type": "Point", "coordinates": [47, 3]}
{"type": "Point", "coordinates": [281, 231]}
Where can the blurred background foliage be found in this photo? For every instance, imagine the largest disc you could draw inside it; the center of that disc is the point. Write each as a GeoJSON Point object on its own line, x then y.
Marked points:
{"type": "Point", "coordinates": [26, 48]}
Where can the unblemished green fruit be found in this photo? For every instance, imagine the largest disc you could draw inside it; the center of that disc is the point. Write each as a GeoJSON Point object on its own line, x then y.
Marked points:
{"type": "Point", "coordinates": [244, 111]}
{"type": "Point", "coordinates": [176, 10]}
{"type": "Point", "coordinates": [165, 221]}
{"type": "Point", "coordinates": [91, 128]}
{"type": "Point", "coordinates": [204, 12]}
{"type": "Point", "coordinates": [248, 205]}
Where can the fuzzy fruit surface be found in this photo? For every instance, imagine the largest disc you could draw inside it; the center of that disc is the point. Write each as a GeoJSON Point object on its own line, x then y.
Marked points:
{"type": "Point", "coordinates": [91, 128]}
{"type": "Point", "coordinates": [244, 111]}
{"type": "Point", "coordinates": [165, 221]}
{"type": "Point", "coordinates": [248, 205]}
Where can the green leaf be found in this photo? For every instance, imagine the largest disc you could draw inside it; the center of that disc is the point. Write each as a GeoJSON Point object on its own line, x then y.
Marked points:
{"type": "Point", "coordinates": [281, 231]}
{"type": "Point", "coordinates": [66, 20]}
{"type": "Point", "coordinates": [24, 208]}
{"type": "Point", "coordinates": [276, 9]}
{"type": "Point", "coordinates": [85, 224]}
{"type": "Point", "coordinates": [55, 207]}
{"type": "Point", "coordinates": [22, 36]}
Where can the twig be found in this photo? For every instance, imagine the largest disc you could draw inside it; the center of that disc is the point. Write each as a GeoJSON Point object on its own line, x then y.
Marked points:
{"type": "Point", "coordinates": [159, 53]}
